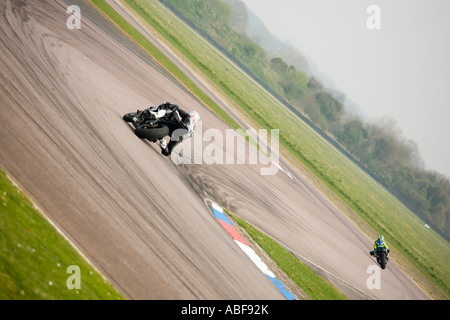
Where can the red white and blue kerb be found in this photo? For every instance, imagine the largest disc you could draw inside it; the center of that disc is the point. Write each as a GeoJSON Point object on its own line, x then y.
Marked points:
{"type": "Point", "coordinates": [228, 226]}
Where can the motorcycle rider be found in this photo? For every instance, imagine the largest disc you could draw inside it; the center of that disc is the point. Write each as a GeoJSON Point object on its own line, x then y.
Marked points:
{"type": "Point", "coordinates": [181, 122]}
{"type": "Point", "coordinates": [379, 243]}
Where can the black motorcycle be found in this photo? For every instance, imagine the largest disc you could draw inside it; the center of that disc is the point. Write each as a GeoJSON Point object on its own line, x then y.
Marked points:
{"type": "Point", "coordinates": [146, 126]}
{"type": "Point", "coordinates": [382, 257]}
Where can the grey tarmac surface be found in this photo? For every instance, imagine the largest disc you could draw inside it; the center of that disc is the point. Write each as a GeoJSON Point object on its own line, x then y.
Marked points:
{"type": "Point", "coordinates": [138, 217]}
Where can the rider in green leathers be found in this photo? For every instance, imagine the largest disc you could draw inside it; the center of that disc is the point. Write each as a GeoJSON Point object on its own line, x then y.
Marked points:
{"type": "Point", "coordinates": [379, 243]}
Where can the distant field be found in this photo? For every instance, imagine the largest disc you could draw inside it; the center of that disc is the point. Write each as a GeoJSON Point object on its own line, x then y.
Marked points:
{"type": "Point", "coordinates": [34, 256]}
{"type": "Point", "coordinates": [377, 211]}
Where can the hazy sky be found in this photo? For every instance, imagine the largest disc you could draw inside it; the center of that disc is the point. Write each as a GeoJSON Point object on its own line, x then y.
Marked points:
{"type": "Point", "coordinates": [401, 70]}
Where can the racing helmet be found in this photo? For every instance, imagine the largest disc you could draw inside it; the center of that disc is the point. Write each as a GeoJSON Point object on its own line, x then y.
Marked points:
{"type": "Point", "coordinates": [194, 116]}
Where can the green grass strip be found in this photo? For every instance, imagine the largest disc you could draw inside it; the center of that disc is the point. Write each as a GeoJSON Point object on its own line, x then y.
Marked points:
{"type": "Point", "coordinates": [309, 281]}
{"type": "Point", "coordinates": [34, 256]}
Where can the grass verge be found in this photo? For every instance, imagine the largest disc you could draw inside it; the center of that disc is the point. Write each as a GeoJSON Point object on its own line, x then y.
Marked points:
{"type": "Point", "coordinates": [34, 256]}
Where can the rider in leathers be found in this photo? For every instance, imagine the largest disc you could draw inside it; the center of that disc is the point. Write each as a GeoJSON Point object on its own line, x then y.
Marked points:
{"type": "Point", "coordinates": [379, 243]}
{"type": "Point", "coordinates": [181, 122]}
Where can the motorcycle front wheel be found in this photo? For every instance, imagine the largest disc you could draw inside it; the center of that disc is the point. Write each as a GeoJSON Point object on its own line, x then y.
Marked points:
{"type": "Point", "coordinates": [129, 116]}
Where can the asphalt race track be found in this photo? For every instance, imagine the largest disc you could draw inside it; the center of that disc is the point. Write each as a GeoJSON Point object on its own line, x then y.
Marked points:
{"type": "Point", "coordinates": [142, 220]}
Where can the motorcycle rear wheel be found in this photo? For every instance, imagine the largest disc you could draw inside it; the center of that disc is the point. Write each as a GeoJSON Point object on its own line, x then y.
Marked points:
{"type": "Point", "coordinates": [152, 134]}
{"type": "Point", "coordinates": [383, 261]}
